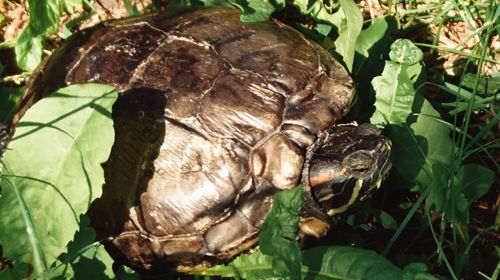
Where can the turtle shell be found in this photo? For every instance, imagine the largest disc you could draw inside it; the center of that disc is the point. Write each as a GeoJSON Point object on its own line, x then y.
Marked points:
{"type": "Point", "coordinates": [215, 116]}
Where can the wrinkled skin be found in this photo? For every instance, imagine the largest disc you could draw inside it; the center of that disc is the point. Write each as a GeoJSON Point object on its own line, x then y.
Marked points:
{"type": "Point", "coordinates": [214, 118]}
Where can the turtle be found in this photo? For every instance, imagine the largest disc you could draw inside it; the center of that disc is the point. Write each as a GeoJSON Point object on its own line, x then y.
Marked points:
{"type": "Point", "coordinates": [214, 117]}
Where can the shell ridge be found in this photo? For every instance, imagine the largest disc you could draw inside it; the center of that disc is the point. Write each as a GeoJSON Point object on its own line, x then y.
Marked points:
{"type": "Point", "coordinates": [139, 70]}
{"type": "Point", "coordinates": [82, 56]}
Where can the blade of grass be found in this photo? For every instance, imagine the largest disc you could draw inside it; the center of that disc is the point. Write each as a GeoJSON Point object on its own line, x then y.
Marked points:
{"type": "Point", "coordinates": [466, 15]}
{"type": "Point", "coordinates": [484, 130]}
{"type": "Point", "coordinates": [405, 221]}
{"type": "Point", "coordinates": [468, 112]}
{"type": "Point", "coordinates": [461, 262]}
{"type": "Point", "coordinates": [467, 54]}
{"type": "Point", "coordinates": [438, 244]}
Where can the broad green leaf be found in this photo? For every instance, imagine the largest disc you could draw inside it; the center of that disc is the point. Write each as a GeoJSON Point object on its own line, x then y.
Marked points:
{"type": "Point", "coordinates": [471, 182]}
{"type": "Point", "coordinates": [372, 44]}
{"type": "Point", "coordinates": [94, 264]}
{"type": "Point", "coordinates": [320, 263]}
{"type": "Point", "coordinates": [437, 144]}
{"type": "Point", "coordinates": [315, 9]}
{"type": "Point", "coordinates": [476, 180]}
{"type": "Point", "coordinates": [453, 194]}
{"type": "Point", "coordinates": [394, 95]}
{"type": "Point", "coordinates": [126, 273]}
{"type": "Point", "coordinates": [446, 194]}
{"type": "Point", "coordinates": [487, 85]}
{"type": "Point", "coordinates": [403, 51]}
{"type": "Point", "coordinates": [395, 87]}
{"type": "Point", "coordinates": [44, 21]}
{"type": "Point", "coordinates": [417, 145]}
{"type": "Point", "coordinates": [337, 262]}
{"type": "Point", "coordinates": [280, 229]}
{"type": "Point", "coordinates": [85, 258]}
{"type": "Point", "coordinates": [256, 10]}
{"type": "Point", "coordinates": [253, 266]}
{"type": "Point", "coordinates": [251, 10]}
{"type": "Point", "coordinates": [345, 44]}
{"type": "Point", "coordinates": [28, 48]}
{"type": "Point", "coordinates": [324, 29]}
{"type": "Point", "coordinates": [348, 22]}
{"type": "Point", "coordinates": [52, 172]}
{"type": "Point", "coordinates": [44, 16]}
{"type": "Point", "coordinates": [418, 271]}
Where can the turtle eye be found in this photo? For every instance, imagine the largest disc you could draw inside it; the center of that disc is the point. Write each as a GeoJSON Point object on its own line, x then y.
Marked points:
{"type": "Point", "coordinates": [360, 167]}
{"type": "Point", "coordinates": [359, 161]}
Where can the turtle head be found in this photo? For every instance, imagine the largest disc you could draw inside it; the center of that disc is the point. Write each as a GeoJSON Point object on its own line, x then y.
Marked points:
{"type": "Point", "coordinates": [346, 165]}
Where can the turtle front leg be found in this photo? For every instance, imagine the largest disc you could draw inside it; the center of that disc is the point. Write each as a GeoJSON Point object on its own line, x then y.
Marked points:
{"type": "Point", "coordinates": [313, 227]}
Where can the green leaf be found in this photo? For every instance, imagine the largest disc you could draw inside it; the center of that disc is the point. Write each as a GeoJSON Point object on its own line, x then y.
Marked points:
{"type": "Point", "coordinates": [471, 182]}
{"type": "Point", "coordinates": [253, 266]}
{"type": "Point", "coordinates": [386, 220]}
{"type": "Point", "coordinates": [280, 230]}
{"type": "Point", "coordinates": [394, 94]}
{"type": "Point", "coordinates": [403, 51]}
{"type": "Point", "coordinates": [418, 144]}
{"type": "Point", "coordinates": [71, 5]}
{"type": "Point", "coordinates": [395, 87]}
{"type": "Point", "coordinates": [372, 44]}
{"type": "Point", "coordinates": [9, 96]}
{"type": "Point", "coordinates": [446, 194]}
{"type": "Point", "coordinates": [52, 172]}
{"type": "Point", "coordinates": [345, 44]}
{"type": "Point", "coordinates": [315, 9]}
{"type": "Point", "coordinates": [85, 258]}
{"type": "Point", "coordinates": [256, 10]}
{"type": "Point", "coordinates": [44, 16]}
{"type": "Point", "coordinates": [417, 271]}
{"type": "Point", "coordinates": [487, 85]}
{"type": "Point", "coordinates": [131, 8]}
{"type": "Point", "coordinates": [437, 144]}
{"type": "Point", "coordinates": [320, 263]}
{"type": "Point", "coordinates": [337, 262]}
{"type": "Point", "coordinates": [348, 22]}
{"type": "Point", "coordinates": [29, 49]}
{"type": "Point", "coordinates": [126, 273]}
{"type": "Point", "coordinates": [476, 180]}
{"type": "Point", "coordinates": [453, 193]}
{"type": "Point", "coordinates": [44, 21]}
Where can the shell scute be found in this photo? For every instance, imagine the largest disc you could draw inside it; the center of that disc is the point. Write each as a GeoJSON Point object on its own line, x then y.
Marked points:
{"type": "Point", "coordinates": [115, 57]}
{"type": "Point", "coordinates": [239, 106]}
